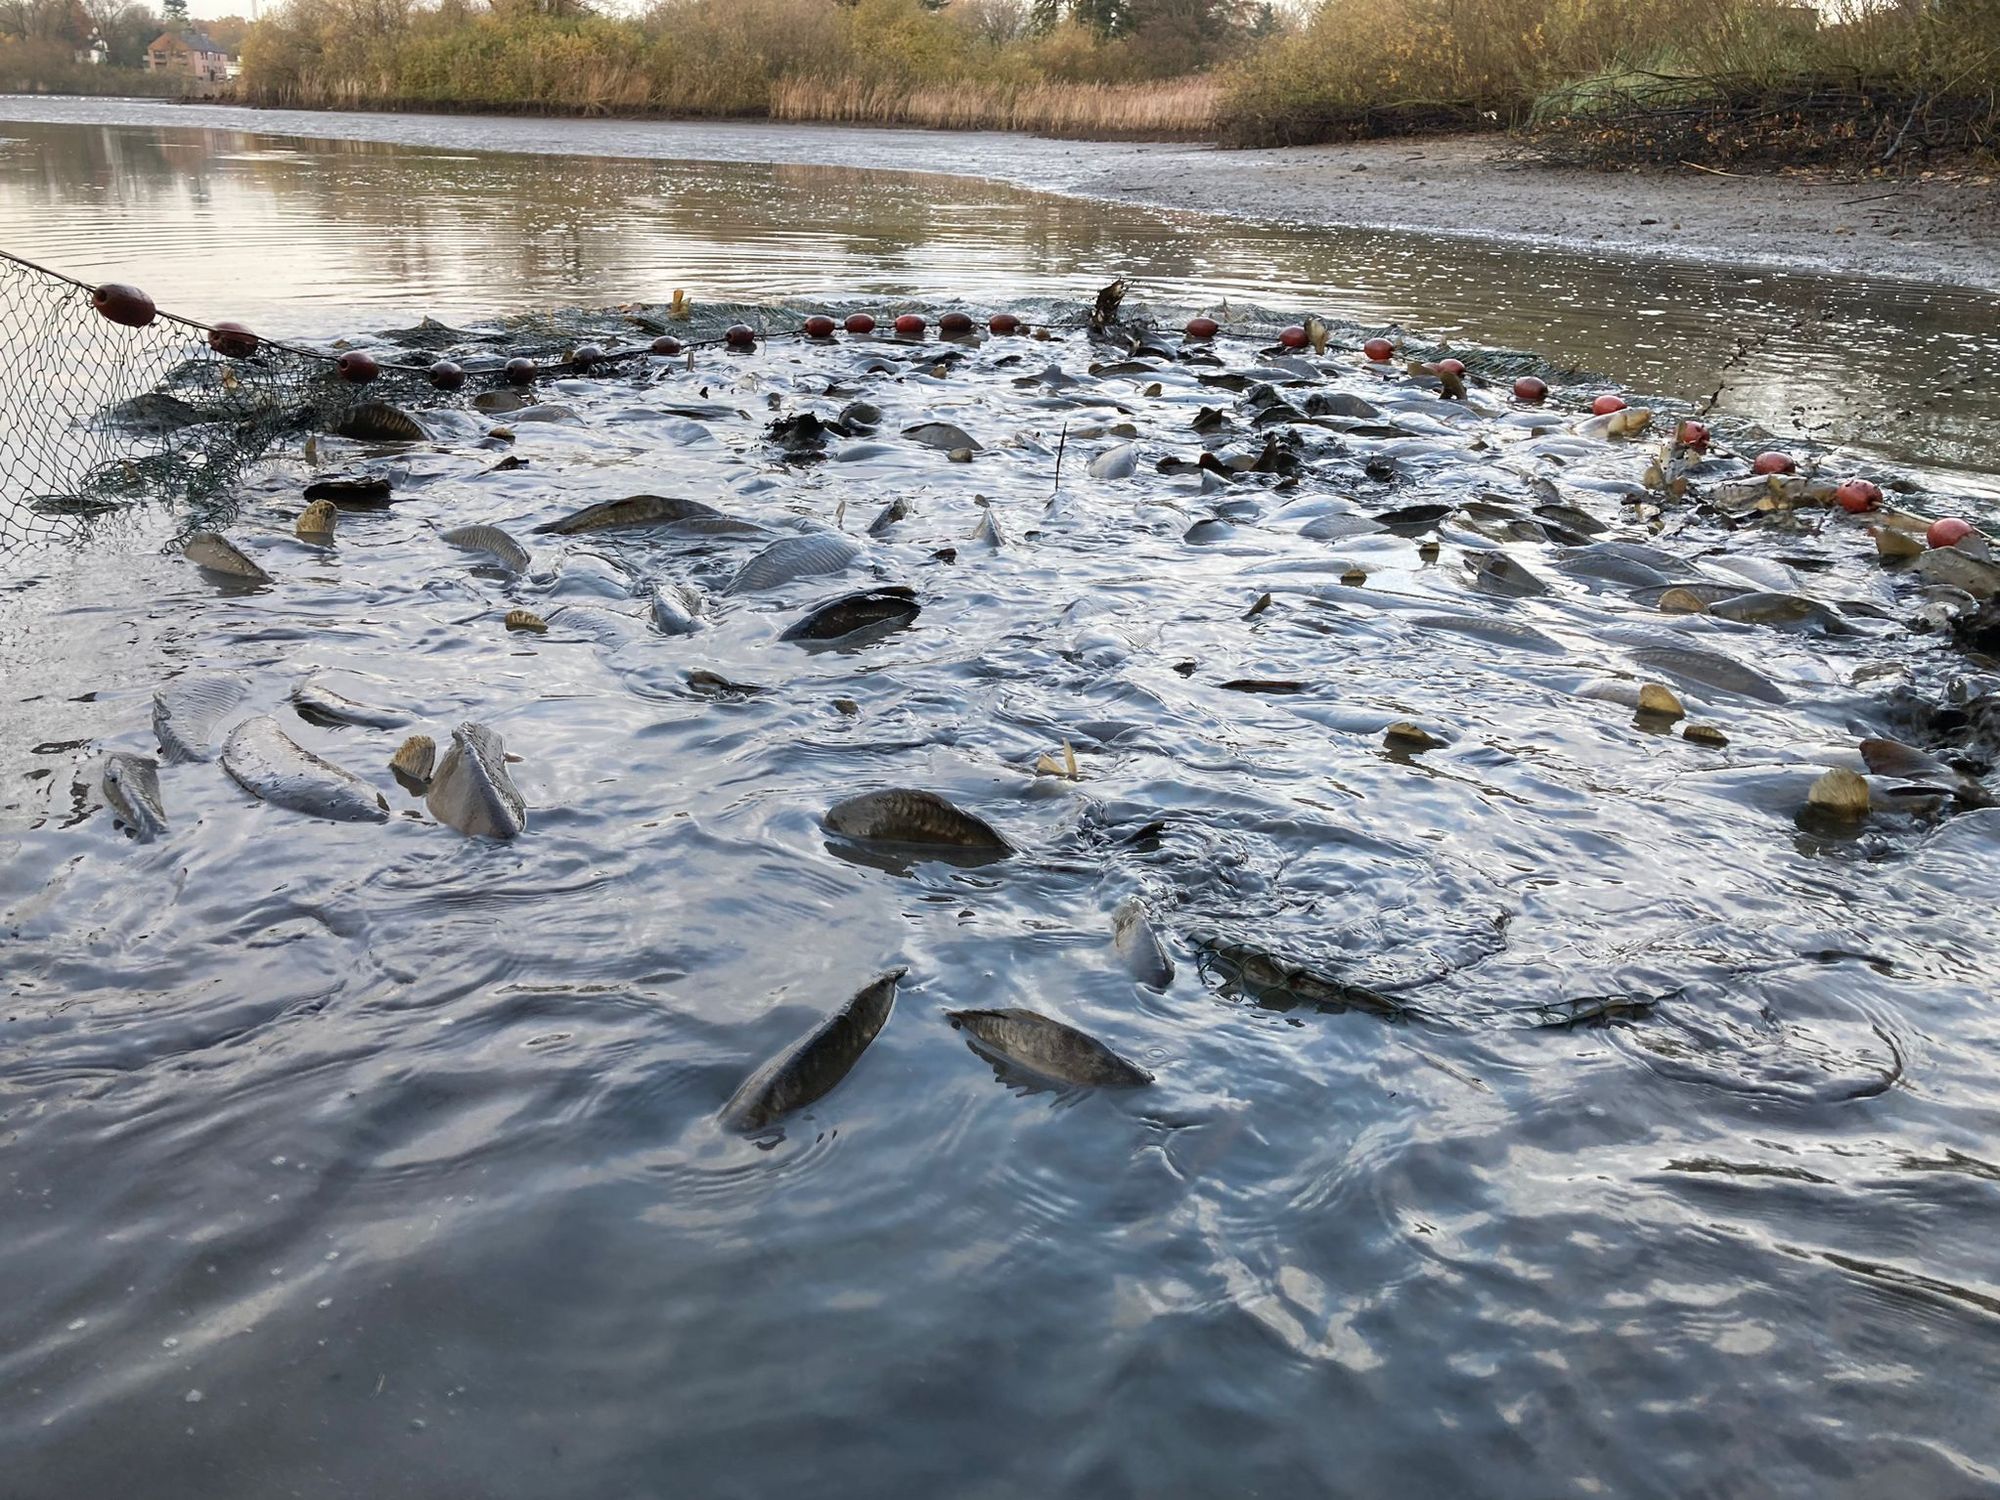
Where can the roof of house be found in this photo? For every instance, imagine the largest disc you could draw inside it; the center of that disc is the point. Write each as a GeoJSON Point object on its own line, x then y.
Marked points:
{"type": "Point", "coordinates": [194, 41]}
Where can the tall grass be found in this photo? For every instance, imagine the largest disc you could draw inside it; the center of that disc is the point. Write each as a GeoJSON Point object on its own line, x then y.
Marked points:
{"type": "Point", "coordinates": [1174, 109]}
{"type": "Point", "coordinates": [1348, 68]}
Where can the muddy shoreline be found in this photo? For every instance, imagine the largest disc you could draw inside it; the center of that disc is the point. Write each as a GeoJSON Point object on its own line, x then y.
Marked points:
{"type": "Point", "coordinates": [1943, 231]}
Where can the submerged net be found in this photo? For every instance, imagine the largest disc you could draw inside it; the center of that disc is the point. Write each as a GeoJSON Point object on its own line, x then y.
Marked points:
{"type": "Point", "coordinates": [97, 415]}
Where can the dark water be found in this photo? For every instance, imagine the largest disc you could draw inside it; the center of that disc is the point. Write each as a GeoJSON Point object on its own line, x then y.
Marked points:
{"type": "Point", "coordinates": [303, 236]}
{"type": "Point", "coordinates": [349, 1160]}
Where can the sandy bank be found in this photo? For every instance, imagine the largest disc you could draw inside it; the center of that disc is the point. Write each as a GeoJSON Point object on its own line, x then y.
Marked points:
{"type": "Point", "coordinates": [1944, 231]}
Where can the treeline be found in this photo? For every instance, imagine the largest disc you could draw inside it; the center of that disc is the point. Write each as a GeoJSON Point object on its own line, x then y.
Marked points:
{"type": "Point", "coordinates": [1087, 66]}
{"type": "Point", "coordinates": [1611, 81]}
{"type": "Point", "coordinates": [1602, 81]}
{"type": "Point", "coordinates": [45, 46]}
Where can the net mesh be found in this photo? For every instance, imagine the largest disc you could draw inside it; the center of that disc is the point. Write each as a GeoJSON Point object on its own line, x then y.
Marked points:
{"type": "Point", "coordinates": [97, 416]}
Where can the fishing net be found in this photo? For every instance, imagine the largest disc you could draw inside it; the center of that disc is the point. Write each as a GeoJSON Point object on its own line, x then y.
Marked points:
{"type": "Point", "coordinates": [99, 415]}
{"type": "Point", "coordinates": [96, 415]}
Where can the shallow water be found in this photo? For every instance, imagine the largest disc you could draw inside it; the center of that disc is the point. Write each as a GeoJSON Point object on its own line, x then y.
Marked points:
{"type": "Point", "coordinates": [320, 237]}
{"type": "Point", "coordinates": [373, 1159]}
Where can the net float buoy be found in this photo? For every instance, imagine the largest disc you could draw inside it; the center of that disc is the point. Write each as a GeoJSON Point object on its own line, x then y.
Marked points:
{"type": "Point", "coordinates": [1604, 406]}
{"type": "Point", "coordinates": [666, 343]}
{"type": "Point", "coordinates": [1380, 351]}
{"type": "Point", "coordinates": [1202, 328]}
{"type": "Point", "coordinates": [819, 326]}
{"type": "Point", "coordinates": [909, 326]}
{"type": "Point", "coordinates": [1857, 495]}
{"type": "Point", "coordinates": [586, 356]}
{"type": "Point", "coordinates": [1774, 463]}
{"type": "Point", "coordinates": [859, 323]}
{"type": "Point", "coordinates": [740, 336]}
{"type": "Point", "coordinates": [446, 376]}
{"type": "Point", "coordinates": [519, 370]}
{"type": "Point", "coordinates": [1948, 531]}
{"type": "Point", "coordinates": [1003, 324]}
{"type": "Point", "coordinates": [232, 341]}
{"type": "Point", "coordinates": [1692, 434]}
{"type": "Point", "coordinates": [955, 324]}
{"type": "Point", "coordinates": [123, 304]}
{"type": "Point", "coordinates": [1293, 337]}
{"type": "Point", "coordinates": [1532, 389]}
{"type": "Point", "coordinates": [357, 368]}
{"type": "Point", "coordinates": [1451, 367]}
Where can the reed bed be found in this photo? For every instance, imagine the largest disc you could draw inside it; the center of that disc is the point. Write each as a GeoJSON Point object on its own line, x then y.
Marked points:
{"type": "Point", "coordinates": [1179, 109]}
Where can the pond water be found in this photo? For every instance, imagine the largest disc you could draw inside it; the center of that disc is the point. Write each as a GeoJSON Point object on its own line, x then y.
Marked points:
{"type": "Point", "coordinates": [311, 236]}
{"type": "Point", "coordinates": [368, 1158]}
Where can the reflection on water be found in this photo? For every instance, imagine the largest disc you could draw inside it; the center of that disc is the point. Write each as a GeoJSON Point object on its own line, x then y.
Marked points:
{"type": "Point", "coordinates": [322, 237]}
{"type": "Point", "coordinates": [368, 1159]}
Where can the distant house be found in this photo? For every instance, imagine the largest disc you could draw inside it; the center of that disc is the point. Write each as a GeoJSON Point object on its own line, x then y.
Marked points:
{"type": "Point", "coordinates": [188, 52]}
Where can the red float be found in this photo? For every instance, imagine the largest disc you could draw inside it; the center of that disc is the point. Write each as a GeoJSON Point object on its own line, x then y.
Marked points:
{"type": "Point", "coordinates": [519, 371]}
{"type": "Point", "coordinates": [1003, 324]}
{"type": "Point", "coordinates": [1293, 337]}
{"type": "Point", "coordinates": [1604, 406]}
{"type": "Point", "coordinates": [1774, 463]}
{"type": "Point", "coordinates": [1692, 434]}
{"type": "Point", "coordinates": [586, 356]}
{"type": "Point", "coordinates": [909, 326]}
{"type": "Point", "coordinates": [123, 304]}
{"type": "Point", "coordinates": [954, 325]}
{"type": "Point", "coordinates": [859, 323]}
{"type": "Point", "coordinates": [446, 376]}
{"type": "Point", "coordinates": [1948, 532]}
{"type": "Point", "coordinates": [1532, 389]}
{"type": "Point", "coordinates": [357, 368]}
{"type": "Point", "coordinates": [1451, 367]}
{"type": "Point", "coordinates": [1381, 351]}
{"type": "Point", "coordinates": [666, 343]}
{"type": "Point", "coordinates": [232, 341]}
{"type": "Point", "coordinates": [1202, 328]}
{"type": "Point", "coordinates": [1857, 495]}
{"type": "Point", "coordinates": [740, 336]}
{"type": "Point", "coordinates": [819, 326]}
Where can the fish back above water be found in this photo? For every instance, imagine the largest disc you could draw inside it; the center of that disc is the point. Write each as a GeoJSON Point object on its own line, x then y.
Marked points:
{"type": "Point", "coordinates": [1139, 946]}
{"type": "Point", "coordinates": [491, 540]}
{"type": "Point", "coordinates": [633, 510]}
{"type": "Point", "coordinates": [1048, 1048]}
{"type": "Point", "coordinates": [379, 422]}
{"type": "Point", "coordinates": [472, 791]}
{"type": "Point", "coordinates": [810, 1068]}
{"type": "Point", "coordinates": [215, 553]}
{"type": "Point", "coordinates": [676, 608]}
{"type": "Point", "coordinates": [187, 710]}
{"type": "Point", "coordinates": [794, 557]}
{"type": "Point", "coordinates": [132, 787]}
{"type": "Point", "coordinates": [317, 703]}
{"type": "Point", "coordinates": [263, 760]}
{"type": "Point", "coordinates": [871, 609]}
{"type": "Point", "coordinates": [1691, 665]}
{"type": "Point", "coordinates": [902, 815]}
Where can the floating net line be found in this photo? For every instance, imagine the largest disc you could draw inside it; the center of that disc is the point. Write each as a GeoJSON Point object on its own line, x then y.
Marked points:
{"type": "Point", "coordinates": [107, 403]}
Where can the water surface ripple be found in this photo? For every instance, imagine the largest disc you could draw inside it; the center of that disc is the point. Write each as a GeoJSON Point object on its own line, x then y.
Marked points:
{"type": "Point", "coordinates": [370, 1159]}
